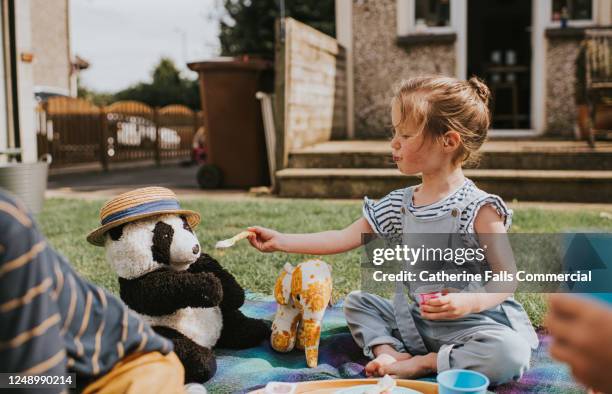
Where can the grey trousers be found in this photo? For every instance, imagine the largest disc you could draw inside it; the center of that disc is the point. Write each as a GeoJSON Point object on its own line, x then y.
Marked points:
{"type": "Point", "coordinates": [476, 343]}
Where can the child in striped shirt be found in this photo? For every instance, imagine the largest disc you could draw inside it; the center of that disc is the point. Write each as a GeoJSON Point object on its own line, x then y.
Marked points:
{"type": "Point", "coordinates": [53, 322]}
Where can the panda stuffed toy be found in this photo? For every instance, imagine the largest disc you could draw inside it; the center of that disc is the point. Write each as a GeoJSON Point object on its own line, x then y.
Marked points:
{"type": "Point", "coordinates": [184, 294]}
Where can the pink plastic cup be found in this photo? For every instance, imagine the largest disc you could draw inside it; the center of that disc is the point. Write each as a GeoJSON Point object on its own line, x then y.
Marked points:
{"type": "Point", "coordinates": [424, 297]}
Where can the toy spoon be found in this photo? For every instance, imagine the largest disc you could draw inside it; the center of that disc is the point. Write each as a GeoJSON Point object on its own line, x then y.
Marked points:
{"type": "Point", "coordinates": [227, 243]}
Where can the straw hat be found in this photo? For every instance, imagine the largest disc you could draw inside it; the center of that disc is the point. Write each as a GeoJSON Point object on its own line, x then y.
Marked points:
{"type": "Point", "coordinates": [138, 204]}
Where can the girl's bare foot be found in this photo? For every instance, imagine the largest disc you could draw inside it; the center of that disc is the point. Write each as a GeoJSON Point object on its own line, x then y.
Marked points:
{"type": "Point", "coordinates": [385, 355]}
{"type": "Point", "coordinates": [413, 367]}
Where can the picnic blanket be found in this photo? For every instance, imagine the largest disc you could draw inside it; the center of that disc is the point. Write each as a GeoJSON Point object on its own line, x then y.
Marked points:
{"type": "Point", "coordinates": [240, 371]}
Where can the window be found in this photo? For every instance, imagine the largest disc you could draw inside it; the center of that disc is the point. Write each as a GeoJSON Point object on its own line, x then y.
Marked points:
{"type": "Point", "coordinates": [572, 9]}
{"type": "Point", "coordinates": [439, 18]}
{"type": "Point", "coordinates": [431, 13]}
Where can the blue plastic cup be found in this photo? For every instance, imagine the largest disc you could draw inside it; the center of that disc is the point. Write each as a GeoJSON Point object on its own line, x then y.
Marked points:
{"type": "Point", "coordinates": [462, 381]}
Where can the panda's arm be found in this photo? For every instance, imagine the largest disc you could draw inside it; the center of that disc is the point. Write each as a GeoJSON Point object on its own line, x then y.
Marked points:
{"type": "Point", "coordinates": [164, 291]}
{"type": "Point", "coordinates": [233, 293]}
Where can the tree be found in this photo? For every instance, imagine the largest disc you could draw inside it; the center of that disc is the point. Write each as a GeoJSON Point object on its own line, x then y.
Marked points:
{"type": "Point", "coordinates": [98, 98]}
{"type": "Point", "coordinates": [248, 27]}
{"type": "Point", "coordinates": [167, 87]}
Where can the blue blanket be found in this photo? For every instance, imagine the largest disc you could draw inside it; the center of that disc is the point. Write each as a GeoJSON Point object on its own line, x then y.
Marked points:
{"type": "Point", "coordinates": [340, 358]}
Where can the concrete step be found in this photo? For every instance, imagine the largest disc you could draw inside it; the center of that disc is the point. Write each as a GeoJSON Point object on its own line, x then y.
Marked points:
{"type": "Point", "coordinates": [527, 154]}
{"type": "Point", "coordinates": [525, 185]}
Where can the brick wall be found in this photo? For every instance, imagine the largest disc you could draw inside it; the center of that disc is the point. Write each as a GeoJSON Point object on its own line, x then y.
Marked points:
{"type": "Point", "coordinates": [311, 84]}
{"type": "Point", "coordinates": [560, 85]}
{"type": "Point", "coordinates": [50, 43]}
{"type": "Point", "coordinates": [379, 64]}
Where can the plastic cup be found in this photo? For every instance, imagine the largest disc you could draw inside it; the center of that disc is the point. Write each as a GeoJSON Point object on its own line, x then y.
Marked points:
{"type": "Point", "coordinates": [462, 381]}
{"type": "Point", "coordinates": [424, 297]}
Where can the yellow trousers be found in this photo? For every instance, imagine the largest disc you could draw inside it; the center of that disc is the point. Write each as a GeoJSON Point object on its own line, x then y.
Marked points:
{"type": "Point", "coordinates": [142, 373]}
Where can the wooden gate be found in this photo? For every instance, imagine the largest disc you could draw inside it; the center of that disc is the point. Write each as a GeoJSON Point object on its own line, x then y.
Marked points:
{"type": "Point", "coordinates": [76, 131]}
{"type": "Point", "coordinates": [132, 131]}
{"type": "Point", "coordinates": [178, 124]}
{"type": "Point", "coordinates": [69, 130]}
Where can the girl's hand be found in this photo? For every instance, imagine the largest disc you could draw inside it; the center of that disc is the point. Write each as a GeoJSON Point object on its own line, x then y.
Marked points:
{"type": "Point", "coordinates": [449, 306]}
{"type": "Point", "coordinates": [265, 240]}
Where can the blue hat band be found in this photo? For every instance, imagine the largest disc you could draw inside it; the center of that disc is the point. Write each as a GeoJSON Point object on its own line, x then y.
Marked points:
{"type": "Point", "coordinates": [153, 206]}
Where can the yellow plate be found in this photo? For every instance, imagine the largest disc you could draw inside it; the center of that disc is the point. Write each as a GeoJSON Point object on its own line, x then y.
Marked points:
{"type": "Point", "coordinates": [331, 386]}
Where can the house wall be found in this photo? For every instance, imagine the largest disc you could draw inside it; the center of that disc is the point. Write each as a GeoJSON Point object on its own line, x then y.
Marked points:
{"type": "Point", "coordinates": [379, 64]}
{"type": "Point", "coordinates": [50, 43]}
{"type": "Point", "coordinates": [561, 56]}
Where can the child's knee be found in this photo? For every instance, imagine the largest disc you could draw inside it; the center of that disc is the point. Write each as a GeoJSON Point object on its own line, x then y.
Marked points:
{"type": "Point", "coordinates": [502, 356]}
{"type": "Point", "coordinates": [508, 360]}
{"type": "Point", "coordinates": [354, 300]}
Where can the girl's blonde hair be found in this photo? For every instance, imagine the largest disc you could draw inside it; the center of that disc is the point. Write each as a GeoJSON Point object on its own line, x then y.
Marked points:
{"type": "Point", "coordinates": [437, 104]}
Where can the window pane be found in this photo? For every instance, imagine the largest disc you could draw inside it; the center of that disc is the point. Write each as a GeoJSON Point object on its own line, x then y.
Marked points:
{"type": "Point", "coordinates": [432, 13]}
{"type": "Point", "coordinates": [581, 9]}
{"type": "Point", "coordinates": [575, 9]}
{"type": "Point", "coordinates": [557, 6]}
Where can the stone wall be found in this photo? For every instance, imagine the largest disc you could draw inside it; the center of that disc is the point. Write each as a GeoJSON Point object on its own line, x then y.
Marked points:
{"type": "Point", "coordinates": [311, 82]}
{"type": "Point", "coordinates": [380, 63]}
{"type": "Point", "coordinates": [50, 43]}
{"type": "Point", "coordinates": [560, 85]}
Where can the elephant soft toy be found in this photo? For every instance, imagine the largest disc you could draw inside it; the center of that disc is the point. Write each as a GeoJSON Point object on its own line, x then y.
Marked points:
{"type": "Point", "coordinates": [303, 294]}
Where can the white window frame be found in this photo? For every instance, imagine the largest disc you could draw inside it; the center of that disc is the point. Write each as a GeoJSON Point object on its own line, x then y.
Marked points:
{"type": "Point", "coordinates": [406, 22]}
{"type": "Point", "coordinates": [595, 7]}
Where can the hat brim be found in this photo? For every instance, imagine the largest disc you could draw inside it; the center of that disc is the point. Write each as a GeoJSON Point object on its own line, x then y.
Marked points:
{"type": "Point", "coordinates": [96, 237]}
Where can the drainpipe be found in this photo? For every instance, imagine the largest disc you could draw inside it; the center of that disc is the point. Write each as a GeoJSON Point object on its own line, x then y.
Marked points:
{"type": "Point", "coordinates": [24, 115]}
{"type": "Point", "coordinates": [344, 36]}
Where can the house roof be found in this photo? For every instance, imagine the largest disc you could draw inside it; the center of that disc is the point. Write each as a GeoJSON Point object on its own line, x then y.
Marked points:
{"type": "Point", "coordinates": [79, 63]}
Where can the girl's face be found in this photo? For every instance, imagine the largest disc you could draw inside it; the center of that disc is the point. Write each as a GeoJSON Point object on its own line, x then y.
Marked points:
{"type": "Point", "coordinates": [412, 152]}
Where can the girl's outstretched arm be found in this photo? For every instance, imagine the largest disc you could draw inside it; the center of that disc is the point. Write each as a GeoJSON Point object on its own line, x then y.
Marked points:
{"type": "Point", "coordinates": [326, 242]}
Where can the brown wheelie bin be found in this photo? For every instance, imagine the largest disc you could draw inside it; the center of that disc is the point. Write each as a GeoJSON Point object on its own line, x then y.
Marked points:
{"type": "Point", "coordinates": [232, 116]}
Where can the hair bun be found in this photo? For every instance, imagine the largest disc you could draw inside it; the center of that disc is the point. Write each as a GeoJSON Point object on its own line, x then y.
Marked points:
{"type": "Point", "coordinates": [480, 88]}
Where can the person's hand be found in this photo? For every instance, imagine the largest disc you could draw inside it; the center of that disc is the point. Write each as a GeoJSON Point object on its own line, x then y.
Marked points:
{"type": "Point", "coordinates": [582, 338]}
{"type": "Point", "coordinates": [265, 239]}
{"type": "Point", "coordinates": [449, 306]}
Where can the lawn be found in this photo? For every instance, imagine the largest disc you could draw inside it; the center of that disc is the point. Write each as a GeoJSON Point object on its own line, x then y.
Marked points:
{"type": "Point", "coordinates": [66, 222]}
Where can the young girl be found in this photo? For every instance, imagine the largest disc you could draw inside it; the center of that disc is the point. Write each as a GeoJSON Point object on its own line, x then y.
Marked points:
{"type": "Point", "coordinates": [439, 124]}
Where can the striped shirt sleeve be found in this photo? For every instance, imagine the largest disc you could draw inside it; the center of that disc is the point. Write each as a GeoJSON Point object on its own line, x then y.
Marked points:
{"type": "Point", "coordinates": [496, 202]}
{"type": "Point", "coordinates": [384, 216]}
{"type": "Point", "coordinates": [30, 340]}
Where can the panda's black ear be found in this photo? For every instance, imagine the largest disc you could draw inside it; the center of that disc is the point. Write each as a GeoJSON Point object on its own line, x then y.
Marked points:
{"type": "Point", "coordinates": [186, 225]}
{"type": "Point", "coordinates": [116, 232]}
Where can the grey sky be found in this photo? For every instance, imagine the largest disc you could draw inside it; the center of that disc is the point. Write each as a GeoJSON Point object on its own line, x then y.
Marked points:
{"type": "Point", "coordinates": [124, 39]}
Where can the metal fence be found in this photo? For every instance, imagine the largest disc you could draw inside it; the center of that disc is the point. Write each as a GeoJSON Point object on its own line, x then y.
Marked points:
{"type": "Point", "coordinates": [76, 131]}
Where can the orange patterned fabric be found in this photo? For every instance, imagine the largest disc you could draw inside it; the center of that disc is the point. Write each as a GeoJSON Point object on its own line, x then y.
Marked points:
{"type": "Point", "coordinates": [281, 341]}
{"type": "Point", "coordinates": [298, 319]}
{"type": "Point", "coordinates": [278, 289]}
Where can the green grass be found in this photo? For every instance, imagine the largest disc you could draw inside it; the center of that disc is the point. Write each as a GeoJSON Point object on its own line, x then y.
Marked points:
{"type": "Point", "coordinates": [66, 222]}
